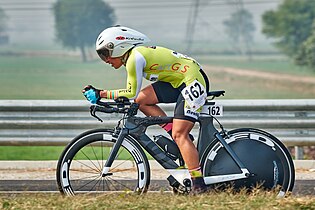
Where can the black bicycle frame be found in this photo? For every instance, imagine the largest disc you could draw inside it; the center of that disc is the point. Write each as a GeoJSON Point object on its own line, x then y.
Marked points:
{"type": "Point", "coordinates": [136, 127]}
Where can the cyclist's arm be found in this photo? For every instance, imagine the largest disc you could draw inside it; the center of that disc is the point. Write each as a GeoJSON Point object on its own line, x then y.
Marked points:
{"type": "Point", "coordinates": [135, 65]}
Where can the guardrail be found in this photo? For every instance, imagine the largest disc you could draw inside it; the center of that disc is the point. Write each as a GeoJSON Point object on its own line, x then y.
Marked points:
{"type": "Point", "coordinates": [56, 122]}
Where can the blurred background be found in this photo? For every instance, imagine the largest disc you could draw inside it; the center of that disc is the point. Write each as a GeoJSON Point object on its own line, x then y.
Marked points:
{"type": "Point", "coordinates": [250, 48]}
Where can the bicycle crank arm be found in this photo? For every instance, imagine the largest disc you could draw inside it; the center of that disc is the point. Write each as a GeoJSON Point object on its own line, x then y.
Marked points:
{"type": "Point", "coordinates": [228, 177]}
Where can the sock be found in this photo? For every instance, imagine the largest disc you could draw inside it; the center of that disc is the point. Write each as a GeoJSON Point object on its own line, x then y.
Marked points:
{"type": "Point", "coordinates": [199, 185]}
{"type": "Point", "coordinates": [196, 172]}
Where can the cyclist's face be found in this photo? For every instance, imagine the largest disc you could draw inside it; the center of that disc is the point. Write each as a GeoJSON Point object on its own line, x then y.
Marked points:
{"type": "Point", "coordinates": [115, 62]}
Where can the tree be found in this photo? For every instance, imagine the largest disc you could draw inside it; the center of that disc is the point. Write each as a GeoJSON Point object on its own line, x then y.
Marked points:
{"type": "Point", "coordinates": [240, 28]}
{"type": "Point", "coordinates": [4, 38]}
{"type": "Point", "coordinates": [306, 53]}
{"type": "Point", "coordinates": [78, 22]}
{"type": "Point", "coordinates": [3, 21]}
{"type": "Point", "coordinates": [290, 24]}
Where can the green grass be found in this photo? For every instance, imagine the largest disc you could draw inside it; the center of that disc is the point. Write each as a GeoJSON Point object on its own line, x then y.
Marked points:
{"type": "Point", "coordinates": [53, 77]}
{"type": "Point", "coordinates": [48, 77]}
{"type": "Point", "coordinates": [52, 153]}
{"type": "Point", "coordinates": [30, 152]}
{"type": "Point", "coordinates": [216, 200]}
{"type": "Point", "coordinates": [275, 64]}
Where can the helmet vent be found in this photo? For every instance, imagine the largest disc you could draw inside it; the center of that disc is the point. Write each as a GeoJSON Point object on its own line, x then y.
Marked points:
{"type": "Point", "coordinates": [99, 38]}
{"type": "Point", "coordinates": [124, 29]}
{"type": "Point", "coordinates": [101, 42]}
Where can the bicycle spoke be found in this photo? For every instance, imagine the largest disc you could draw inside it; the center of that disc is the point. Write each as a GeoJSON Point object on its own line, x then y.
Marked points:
{"type": "Point", "coordinates": [95, 156]}
{"type": "Point", "coordinates": [86, 178]}
{"type": "Point", "coordinates": [94, 169]}
{"type": "Point", "coordinates": [99, 180]}
{"type": "Point", "coordinates": [99, 169]}
{"type": "Point", "coordinates": [126, 186]}
{"type": "Point", "coordinates": [104, 180]}
{"type": "Point", "coordinates": [121, 163]}
{"type": "Point", "coordinates": [89, 159]}
{"type": "Point", "coordinates": [87, 183]}
{"type": "Point", "coordinates": [85, 171]}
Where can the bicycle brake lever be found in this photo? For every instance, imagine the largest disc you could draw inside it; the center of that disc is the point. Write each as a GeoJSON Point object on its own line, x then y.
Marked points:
{"type": "Point", "coordinates": [93, 113]}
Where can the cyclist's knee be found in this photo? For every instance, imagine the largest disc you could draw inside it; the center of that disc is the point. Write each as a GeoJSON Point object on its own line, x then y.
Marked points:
{"type": "Point", "coordinates": [179, 136]}
{"type": "Point", "coordinates": [146, 98]}
{"type": "Point", "coordinates": [140, 99]}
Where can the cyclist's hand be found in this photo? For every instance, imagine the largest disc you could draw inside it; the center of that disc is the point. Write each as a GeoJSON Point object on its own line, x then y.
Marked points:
{"type": "Point", "coordinates": [91, 94]}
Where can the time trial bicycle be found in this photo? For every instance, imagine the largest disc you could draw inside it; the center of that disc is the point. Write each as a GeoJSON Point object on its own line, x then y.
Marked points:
{"type": "Point", "coordinates": [106, 160]}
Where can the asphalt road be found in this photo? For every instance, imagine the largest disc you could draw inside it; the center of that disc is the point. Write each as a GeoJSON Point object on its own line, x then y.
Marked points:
{"type": "Point", "coordinates": [301, 188]}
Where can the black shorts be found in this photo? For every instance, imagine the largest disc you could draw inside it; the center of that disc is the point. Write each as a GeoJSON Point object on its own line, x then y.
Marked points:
{"type": "Point", "coordinates": [166, 93]}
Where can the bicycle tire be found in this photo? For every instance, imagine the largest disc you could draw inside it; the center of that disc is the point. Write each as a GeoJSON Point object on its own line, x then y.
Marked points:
{"type": "Point", "coordinates": [265, 156]}
{"type": "Point", "coordinates": [80, 165]}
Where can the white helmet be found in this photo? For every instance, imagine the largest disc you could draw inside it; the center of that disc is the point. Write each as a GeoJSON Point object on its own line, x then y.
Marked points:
{"type": "Point", "coordinates": [116, 41]}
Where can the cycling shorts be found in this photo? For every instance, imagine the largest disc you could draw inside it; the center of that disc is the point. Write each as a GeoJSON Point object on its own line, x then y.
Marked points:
{"type": "Point", "coordinates": [166, 93]}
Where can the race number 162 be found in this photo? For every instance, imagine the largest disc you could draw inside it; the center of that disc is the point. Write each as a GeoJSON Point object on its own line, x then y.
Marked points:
{"type": "Point", "coordinates": [215, 110]}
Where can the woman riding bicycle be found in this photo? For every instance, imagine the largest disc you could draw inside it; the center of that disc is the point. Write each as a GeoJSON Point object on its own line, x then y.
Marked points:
{"type": "Point", "coordinates": [178, 78]}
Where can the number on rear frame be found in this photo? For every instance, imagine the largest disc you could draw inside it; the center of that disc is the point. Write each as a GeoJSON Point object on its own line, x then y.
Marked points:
{"type": "Point", "coordinates": [214, 110]}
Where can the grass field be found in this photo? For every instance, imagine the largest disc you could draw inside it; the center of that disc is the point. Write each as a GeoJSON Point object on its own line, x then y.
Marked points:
{"type": "Point", "coordinates": [30, 152]}
{"type": "Point", "coordinates": [152, 201]}
{"type": "Point", "coordinates": [275, 64]}
{"type": "Point", "coordinates": [63, 77]}
{"type": "Point", "coordinates": [53, 78]}
{"type": "Point", "coordinates": [49, 153]}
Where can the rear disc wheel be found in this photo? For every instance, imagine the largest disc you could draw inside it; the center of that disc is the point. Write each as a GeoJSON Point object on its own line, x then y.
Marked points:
{"type": "Point", "coordinates": [266, 158]}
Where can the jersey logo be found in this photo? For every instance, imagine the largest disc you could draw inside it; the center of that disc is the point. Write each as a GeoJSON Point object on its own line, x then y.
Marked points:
{"type": "Point", "coordinates": [153, 77]}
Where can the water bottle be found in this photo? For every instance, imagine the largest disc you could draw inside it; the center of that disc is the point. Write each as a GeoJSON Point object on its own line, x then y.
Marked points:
{"type": "Point", "coordinates": [168, 145]}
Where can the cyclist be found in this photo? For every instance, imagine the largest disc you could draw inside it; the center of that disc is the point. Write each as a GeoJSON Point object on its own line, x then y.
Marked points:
{"type": "Point", "coordinates": [177, 78]}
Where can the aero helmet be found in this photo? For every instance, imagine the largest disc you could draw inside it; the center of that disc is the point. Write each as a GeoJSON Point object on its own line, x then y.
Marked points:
{"type": "Point", "coordinates": [116, 41]}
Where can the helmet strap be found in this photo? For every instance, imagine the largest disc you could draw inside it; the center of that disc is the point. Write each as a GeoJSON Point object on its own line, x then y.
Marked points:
{"type": "Point", "coordinates": [125, 57]}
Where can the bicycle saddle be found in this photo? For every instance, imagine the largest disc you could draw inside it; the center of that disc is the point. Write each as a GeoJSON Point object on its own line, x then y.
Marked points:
{"type": "Point", "coordinates": [216, 93]}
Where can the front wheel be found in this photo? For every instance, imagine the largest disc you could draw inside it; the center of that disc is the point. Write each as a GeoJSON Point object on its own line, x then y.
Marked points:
{"type": "Point", "coordinates": [267, 159]}
{"type": "Point", "coordinates": [79, 168]}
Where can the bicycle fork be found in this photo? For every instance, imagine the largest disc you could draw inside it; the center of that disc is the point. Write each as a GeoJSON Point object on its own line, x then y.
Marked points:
{"type": "Point", "coordinates": [113, 153]}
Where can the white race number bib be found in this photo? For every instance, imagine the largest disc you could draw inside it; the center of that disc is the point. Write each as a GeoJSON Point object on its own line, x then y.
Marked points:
{"type": "Point", "coordinates": [195, 95]}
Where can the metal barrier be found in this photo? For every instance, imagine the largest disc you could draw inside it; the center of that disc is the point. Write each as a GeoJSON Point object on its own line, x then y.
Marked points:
{"type": "Point", "coordinates": [56, 122]}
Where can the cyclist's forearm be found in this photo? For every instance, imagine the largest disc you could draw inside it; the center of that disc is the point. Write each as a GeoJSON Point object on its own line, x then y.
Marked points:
{"type": "Point", "coordinates": [113, 94]}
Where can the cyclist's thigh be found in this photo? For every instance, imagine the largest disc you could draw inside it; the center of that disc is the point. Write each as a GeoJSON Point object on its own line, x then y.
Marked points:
{"type": "Point", "coordinates": [182, 111]}
{"type": "Point", "coordinates": [165, 92]}
{"type": "Point", "coordinates": [147, 96]}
